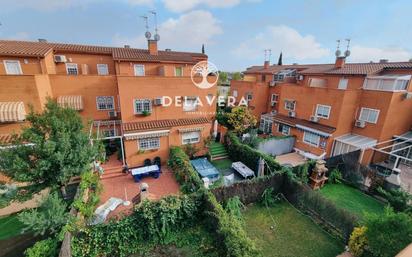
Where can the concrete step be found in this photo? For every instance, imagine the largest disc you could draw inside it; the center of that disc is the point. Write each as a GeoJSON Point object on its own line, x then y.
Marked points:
{"type": "Point", "coordinates": [113, 175]}
{"type": "Point", "coordinates": [219, 157]}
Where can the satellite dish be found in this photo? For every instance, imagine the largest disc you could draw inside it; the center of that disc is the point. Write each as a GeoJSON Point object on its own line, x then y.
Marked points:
{"type": "Point", "coordinates": [148, 35]}
{"type": "Point", "coordinates": [347, 53]}
{"type": "Point", "coordinates": [338, 53]}
{"type": "Point", "coordinates": [157, 37]}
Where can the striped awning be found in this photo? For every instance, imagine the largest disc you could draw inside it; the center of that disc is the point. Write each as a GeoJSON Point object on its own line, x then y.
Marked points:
{"type": "Point", "coordinates": [184, 130]}
{"type": "Point", "coordinates": [148, 134]}
{"type": "Point", "coordinates": [74, 102]}
{"type": "Point", "coordinates": [12, 111]}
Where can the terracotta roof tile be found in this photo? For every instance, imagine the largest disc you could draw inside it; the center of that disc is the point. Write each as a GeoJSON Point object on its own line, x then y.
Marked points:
{"type": "Point", "coordinates": [295, 121]}
{"type": "Point", "coordinates": [5, 139]}
{"type": "Point", "coordinates": [157, 124]}
{"type": "Point", "coordinates": [348, 68]}
{"type": "Point", "coordinates": [39, 49]}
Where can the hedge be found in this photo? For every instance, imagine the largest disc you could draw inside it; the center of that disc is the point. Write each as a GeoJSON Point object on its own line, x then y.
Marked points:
{"type": "Point", "coordinates": [231, 238]}
{"type": "Point", "coordinates": [336, 219]}
{"type": "Point", "coordinates": [185, 174]}
{"type": "Point", "coordinates": [249, 156]}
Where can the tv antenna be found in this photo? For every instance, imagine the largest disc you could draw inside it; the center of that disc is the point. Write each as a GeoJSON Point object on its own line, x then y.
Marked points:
{"type": "Point", "coordinates": [347, 52]}
{"type": "Point", "coordinates": [156, 36]}
{"type": "Point", "coordinates": [148, 35]}
{"type": "Point", "coordinates": [338, 52]}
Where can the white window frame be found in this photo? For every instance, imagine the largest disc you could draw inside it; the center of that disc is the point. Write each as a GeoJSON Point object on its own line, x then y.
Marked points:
{"type": "Point", "coordinates": [309, 141]}
{"type": "Point", "coordinates": [191, 137]}
{"type": "Point", "coordinates": [178, 67]}
{"type": "Point", "coordinates": [8, 72]}
{"type": "Point", "coordinates": [105, 68]}
{"type": "Point", "coordinates": [190, 107]}
{"type": "Point", "coordinates": [143, 68]}
{"type": "Point", "coordinates": [276, 96]}
{"type": "Point", "coordinates": [249, 97]}
{"type": "Point", "coordinates": [323, 106]}
{"type": "Point", "coordinates": [343, 83]}
{"type": "Point", "coordinates": [150, 143]}
{"type": "Point", "coordinates": [365, 109]}
{"type": "Point", "coordinates": [74, 66]}
{"type": "Point", "coordinates": [104, 103]}
{"type": "Point", "coordinates": [290, 101]}
{"type": "Point", "coordinates": [282, 131]}
{"type": "Point", "coordinates": [111, 132]}
{"type": "Point", "coordinates": [146, 105]}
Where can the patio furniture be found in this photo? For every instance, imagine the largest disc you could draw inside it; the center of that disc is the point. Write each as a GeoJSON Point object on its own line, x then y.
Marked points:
{"type": "Point", "coordinates": [157, 161]}
{"type": "Point", "coordinates": [243, 170]}
{"type": "Point", "coordinates": [140, 172]}
{"type": "Point", "coordinates": [147, 162]}
{"type": "Point", "coordinates": [205, 169]}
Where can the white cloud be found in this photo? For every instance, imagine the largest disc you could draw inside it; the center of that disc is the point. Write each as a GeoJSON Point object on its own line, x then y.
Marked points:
{"type": "Point", "coordinates": [141, 2]}
{"type": "Point", "coordinates": [44, 5]}
{"type": "Point", "coordinates": [367, 54]}
{"type": "Point", "coordinates": [282, 38]}
{"type": "Point", "coordinates": [189, 30]}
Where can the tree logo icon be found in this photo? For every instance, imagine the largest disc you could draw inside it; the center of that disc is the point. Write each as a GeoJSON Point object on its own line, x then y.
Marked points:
{"type": "Point", "coordinates": [204, 74]}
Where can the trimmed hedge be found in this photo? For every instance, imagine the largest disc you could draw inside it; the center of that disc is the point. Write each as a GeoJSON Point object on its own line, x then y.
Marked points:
{"type": "Point", "coordinates": [231, 238]}
{"type": "Point", "coordinates": [185, 174]}
{"type": "Point", "coordinates": [249, 156]}
{"type": "Point", "coordinates": [334, 218]}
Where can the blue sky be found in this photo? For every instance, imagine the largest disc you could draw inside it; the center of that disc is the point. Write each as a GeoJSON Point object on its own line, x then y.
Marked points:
{"type": "Point", "coordinates": [235, 32]}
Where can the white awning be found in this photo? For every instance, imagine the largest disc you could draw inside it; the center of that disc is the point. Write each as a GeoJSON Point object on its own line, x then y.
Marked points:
{"type": "Point", "coordinates": [74, 102]}
{"type": "Point", "coordinates": [184, 130]}
{"type": "Point", "coordinates": [315, 131]}
{"type": "Point", "coordinates": [12, 111]}
{"type": "Point", "coordinates": [147, 134]}
{"type": "Point", "coordinates": [357, 141]}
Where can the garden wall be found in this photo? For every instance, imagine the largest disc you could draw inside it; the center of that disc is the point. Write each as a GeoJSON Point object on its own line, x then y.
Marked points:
{"type": "Point", "coordinates": [277, 146]}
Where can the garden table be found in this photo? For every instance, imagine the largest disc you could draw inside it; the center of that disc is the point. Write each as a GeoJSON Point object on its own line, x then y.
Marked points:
{"type": "Point", "coordinates": [140, 172]}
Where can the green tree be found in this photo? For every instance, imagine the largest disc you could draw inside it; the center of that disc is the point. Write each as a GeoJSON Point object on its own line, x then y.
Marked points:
{"type": "Point", "coordinates": [241, 119]}
{"type": "Point", "coordinates": [49, 218]}
{"type": "Point", "coordinates": [223, 77]}
{"type": "Point", "coordinates": [398, 199]}
{"type": "Point", "coordinates": [58, 148]}
{"type": "Point", "coordinates": [389, 233]}
{"type": "Point", "coordinates": [236, 76]}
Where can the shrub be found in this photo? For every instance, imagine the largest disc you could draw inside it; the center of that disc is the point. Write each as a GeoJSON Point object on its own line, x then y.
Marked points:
{"type": "Point", "coordinates": [249, 156]}
{"type": "Point", "coordinates": [358, 241]}
{"type": "Point", "coordinates": [268, 197]}
{"type": "Point", "coordinates": [185, 175]}
{"type": "Point", "coordinates": [234, 207]}
{"type": "Point", "coordinates": [397, 198]}
{"type": "Point", "coordinates": [389, 233]}
{"type": "Point", "coordinates": [49, 218]}
{"type": "Point", "coordinates": [43, 248]}
{"type": "Point", "coordinates": [335, 176]}
{"type": "Point", "coordinates": [302, 171]}
{"type": "Point", "coordinates": [91, 182]}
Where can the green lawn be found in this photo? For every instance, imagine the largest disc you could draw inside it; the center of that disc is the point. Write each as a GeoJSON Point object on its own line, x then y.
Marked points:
{"type": "Point", "coordinates": [10, 226]}
{"type": "Point", "coordinates": [221, 166]}
{"type": "Point", "coordinates": [352, 199]}
{"type": "Point", "coordinates": [293, 234]}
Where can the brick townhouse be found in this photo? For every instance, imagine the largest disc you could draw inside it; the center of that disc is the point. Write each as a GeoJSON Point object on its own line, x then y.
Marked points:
{"type": "Point", "coordinates": [119, 89]}
{"type": "Point", "coordinates": [331, 109]}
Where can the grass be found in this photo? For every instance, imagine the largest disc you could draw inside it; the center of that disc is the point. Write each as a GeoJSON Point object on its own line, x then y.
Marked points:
{"type": "Point", "coordinates": [10, 226]}
{"type": "Point", "coordinates": [221, 166]}
{"type": "Point", "coordinates": [352, 199]}
{"type": "Point", "coordinates": [293, 235]}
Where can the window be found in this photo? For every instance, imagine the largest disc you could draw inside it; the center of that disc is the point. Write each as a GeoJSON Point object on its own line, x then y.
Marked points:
{"type": "Point", "coordinates": [13, 67]}
{"type": "Point", "coordinates": [191, 137]}
{"type": "Point", "coordinates": [178, 71]}
{"type": "Point", "coordinates": [105, 102]}
{"type": "Point", "coordinates": [369, 115]}
{"type": "Point", "coordinates": [274, 98]}
{"type": "Point", "coordinates": [311, 138]}
{"type": "Point", "coordinates": [109, 133]}
{"type": "Point", "coordinates": [266, 125]}
{"type": "Point", "coordinates": [323, 111]}
{"type": "Point", "coordinates": [71, 69]}
{"type": "Point", "coordinates": [290, 105]}
{"type": "Point", "coordinates": [249, 97]}
{"type": "Point", "coordinates": [284, 129]}
{"type": "Point", "coordinates": [343, 84]}
{"type": "Point", "coordinates": [387, 83]}
{"type": "Point", "coordinates": [139, 70]}
{"type": "Point", "coordinates": [234, 93]}
{"type": "Point", "coordinates": [190, 104]}
{"type": "Point", "coordinates": [102, 69]}
{"type": "Point", "coordinates": [149, 143]}
{"type": "Point", "coordinates": [142, 105]}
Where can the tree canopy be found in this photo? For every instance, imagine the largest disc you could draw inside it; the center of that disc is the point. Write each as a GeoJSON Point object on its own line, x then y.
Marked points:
{"type": "Point", "coordinates": [241, 119]}
{"type": "Point", "coordinates": [51, 149]}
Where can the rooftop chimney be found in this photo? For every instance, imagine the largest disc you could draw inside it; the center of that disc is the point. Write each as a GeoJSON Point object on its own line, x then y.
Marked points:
{"type": "Point", "coordinates": [383, 60]}
{"type": "Point", "coordinates": [42, 40]}
{"type": "Point", "coordinates": [152, 45]}
{"type": "Point", "coordinates": [266, 64]}
{"type": "Point", "coordinates": [340, 62]}
{"type": "Point", "coordinates": [126, 46]}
